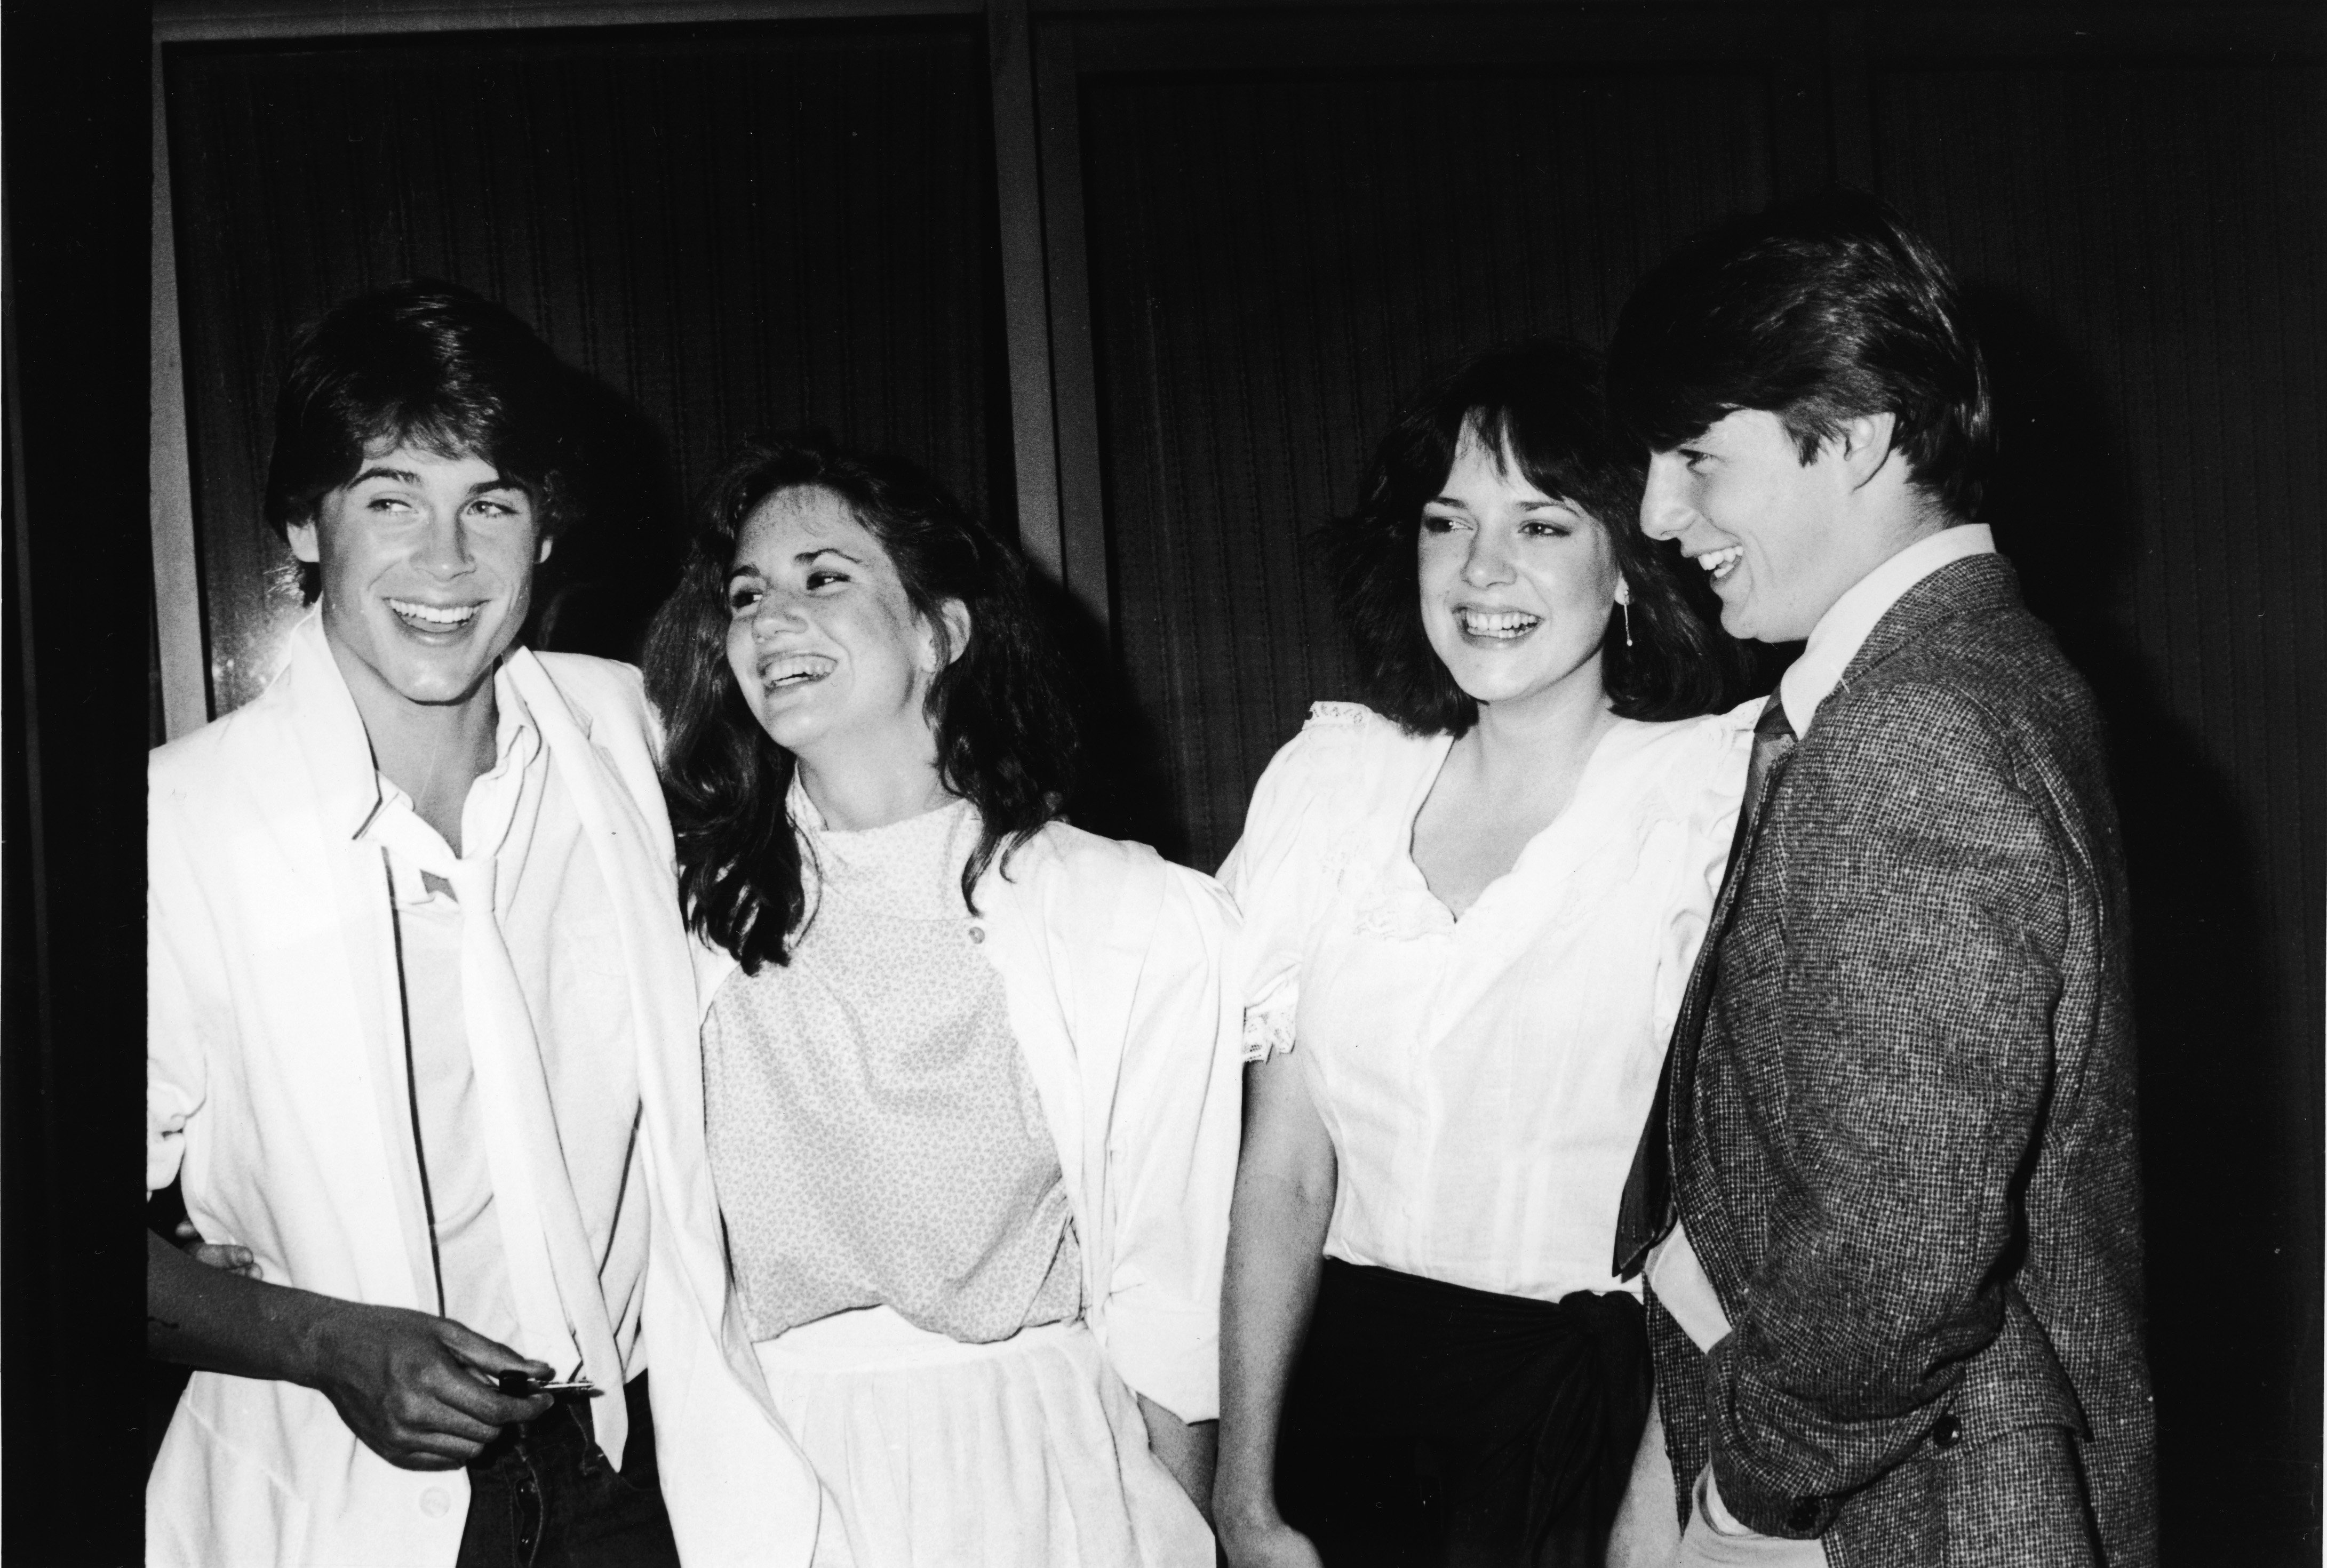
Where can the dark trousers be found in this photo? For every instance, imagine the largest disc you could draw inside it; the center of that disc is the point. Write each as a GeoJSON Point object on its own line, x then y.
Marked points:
{"type": "Point", "coordinates": [1431, 1426]}
{"type": "Point", "coordinates": [542, 1495]}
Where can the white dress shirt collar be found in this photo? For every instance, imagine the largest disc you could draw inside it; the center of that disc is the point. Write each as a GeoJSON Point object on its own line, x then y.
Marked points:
{"type": "Point", "coordinates": [1850, 620]}
{"type": "Point", "coordinates": [490, 809]}
{"type": "Point", "coordinates": [330, 735]}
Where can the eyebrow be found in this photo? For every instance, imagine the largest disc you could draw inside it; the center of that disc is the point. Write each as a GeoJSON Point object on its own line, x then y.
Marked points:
{"type": "Point", "coordinates": [747, 569]}
{"type": "Point", "coordinates": [406, 476]}
{"type": "Point", "coordinates": [400, 475]}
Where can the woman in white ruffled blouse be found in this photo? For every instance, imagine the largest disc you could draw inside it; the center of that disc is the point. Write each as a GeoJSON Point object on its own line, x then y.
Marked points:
{"type": "Point", "coordinates": [968, 1075]}
{"type": "Point", "coordinates": [1469, 914]}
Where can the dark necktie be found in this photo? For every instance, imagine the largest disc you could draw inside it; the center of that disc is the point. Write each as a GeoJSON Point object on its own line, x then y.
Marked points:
{"type": "Point", "coordinates": [1645, 1215]}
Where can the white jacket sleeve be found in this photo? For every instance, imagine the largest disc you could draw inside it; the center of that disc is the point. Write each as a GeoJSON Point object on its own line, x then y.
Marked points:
{"type": "Point", "coordinates": [175, 1069]}
{"type": "Point", "coordinates": [1171, 1151]}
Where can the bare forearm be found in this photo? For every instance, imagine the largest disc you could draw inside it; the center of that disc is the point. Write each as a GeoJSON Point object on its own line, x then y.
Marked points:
{"type": "Point", "coordinates": [1189, 1450]}
{"type": "Point", "coordinates": [1277, 1238]}
{"type": "Point", "coordinates": [418, 1390]}
{"type": "Point", "coordinates": [214, 1318]}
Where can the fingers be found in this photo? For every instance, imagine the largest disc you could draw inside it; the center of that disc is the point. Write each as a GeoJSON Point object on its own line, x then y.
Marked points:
{"type": "Point", "coordinates": [427, 1461]}
{"type": "Point", "coordinates": [222, 1255]}
{"type": "Point", "coordinates": [433, 1422]}
{"type": "Point", "coordinates": [432, 1450]}
{"type": "Point", "coordinates": [436, 1407]}
{"type": "Point", "coordinates": [484, 1360]}
{"type": "Point", "coordinates": [412, 1429]}
{"type": "Point", "coordinates": [489, 1356]}
{"type": "Point", "coordinates": [405, 1383]}
{"type": "Point", "coordinates": [464, 1393]}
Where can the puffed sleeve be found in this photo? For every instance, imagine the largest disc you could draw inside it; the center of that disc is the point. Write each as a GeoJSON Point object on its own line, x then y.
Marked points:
{"type": "Point", "coordinates": [1276, 872]}
{"type": "Point", "coordinates": [176, 1073]}
{"type": "Point", "coordinates": [1173, 1152]}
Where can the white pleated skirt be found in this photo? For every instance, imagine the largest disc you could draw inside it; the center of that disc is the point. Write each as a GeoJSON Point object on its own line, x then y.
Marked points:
{"type": "Point", "coordinates": [1029, 1452]}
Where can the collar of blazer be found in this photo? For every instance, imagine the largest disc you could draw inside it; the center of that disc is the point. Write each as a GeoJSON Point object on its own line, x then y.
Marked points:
{"type": "Point", "coordinates": [1977, 587]}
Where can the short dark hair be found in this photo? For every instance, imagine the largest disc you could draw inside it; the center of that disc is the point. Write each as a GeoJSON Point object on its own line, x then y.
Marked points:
{"type": "Point", "coordinates": [1818, 312]}
{"type": "Point", "coordinates": [1536, 403]}
{"type": "Point", "coordinates": [421, 363]}
{"type": "Point", "coordinates": [1004, 729]}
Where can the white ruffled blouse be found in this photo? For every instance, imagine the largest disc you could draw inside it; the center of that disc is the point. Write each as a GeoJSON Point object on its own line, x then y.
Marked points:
{"type": "Point", "coordinates": [1484, 1079]}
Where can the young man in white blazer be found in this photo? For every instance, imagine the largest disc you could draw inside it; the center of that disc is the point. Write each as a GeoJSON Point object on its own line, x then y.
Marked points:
{"type": "Point", "coordinates": [413, 966]}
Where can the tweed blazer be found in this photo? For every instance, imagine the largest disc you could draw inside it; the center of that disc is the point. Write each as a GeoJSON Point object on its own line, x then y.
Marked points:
{"type": "Point", "coordinates": [1907, 1159]}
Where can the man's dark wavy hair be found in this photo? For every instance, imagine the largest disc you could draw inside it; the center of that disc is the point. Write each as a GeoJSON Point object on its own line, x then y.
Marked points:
{"type": "Point", "coordinates": [1817, 311]}
{"type": "Point", "coordinates": [1005, 730]}
{"type": "Point", "coordinates": [1537, 404]}
{"type": "Point", "coordinates": [425, 364]}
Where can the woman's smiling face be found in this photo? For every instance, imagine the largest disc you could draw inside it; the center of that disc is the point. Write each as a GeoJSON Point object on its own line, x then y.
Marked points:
{"type": "Point", "coordinates": [1517, 585]}
{"type": "Point", "coordinates": [825, 646]}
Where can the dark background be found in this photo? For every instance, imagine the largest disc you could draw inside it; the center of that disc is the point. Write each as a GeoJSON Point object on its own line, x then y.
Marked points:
{"type": "Point", "coordinates": [1263, 229]}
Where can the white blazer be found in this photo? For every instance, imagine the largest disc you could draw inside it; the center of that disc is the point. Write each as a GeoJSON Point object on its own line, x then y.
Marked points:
{"type": "Point", "coordinates": [1113, 962]}
{"type": "Point", "coordinates": [272, 983]}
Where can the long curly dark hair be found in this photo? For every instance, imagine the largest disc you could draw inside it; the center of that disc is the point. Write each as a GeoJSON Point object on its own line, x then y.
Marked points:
{"type": "Point", "coordinates": [1538, 402]}
{"type": "Point", "coordinates": [1004, 731]}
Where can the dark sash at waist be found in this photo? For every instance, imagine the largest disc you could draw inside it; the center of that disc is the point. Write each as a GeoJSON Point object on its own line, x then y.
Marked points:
{"type": "Point", "coordinates": [1512, 1420]}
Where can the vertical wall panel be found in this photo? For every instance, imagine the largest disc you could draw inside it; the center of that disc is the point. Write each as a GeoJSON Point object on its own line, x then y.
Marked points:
{"type": "Point", "coordinates": [766, 226]}
{"type": "Point", "coordinates": [1276, 261]}
{"type": "Point", "coordinates": [2149, 242]}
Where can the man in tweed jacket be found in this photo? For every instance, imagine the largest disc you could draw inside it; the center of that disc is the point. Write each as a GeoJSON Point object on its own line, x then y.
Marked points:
{"type": "Point", "coordinates": [1890, 1213]}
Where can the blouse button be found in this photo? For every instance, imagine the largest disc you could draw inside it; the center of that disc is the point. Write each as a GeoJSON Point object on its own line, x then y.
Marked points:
{"type": "Point", "coordinates": [978, 933]}
{"type": "Point", "coordinates": [434, 1501]}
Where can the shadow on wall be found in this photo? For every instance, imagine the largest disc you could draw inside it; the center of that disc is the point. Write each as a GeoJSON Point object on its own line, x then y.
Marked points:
{"type": "Point", "coordinates": [602, 583]}
{"type": "Point", "coordinates": [1123, 787]}
{"type": "Point", "coordinates": [2223, 1301]}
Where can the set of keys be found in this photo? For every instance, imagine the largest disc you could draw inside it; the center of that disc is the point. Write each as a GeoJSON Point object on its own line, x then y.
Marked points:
{"type": "Point", "coordinates": [524, 1385]}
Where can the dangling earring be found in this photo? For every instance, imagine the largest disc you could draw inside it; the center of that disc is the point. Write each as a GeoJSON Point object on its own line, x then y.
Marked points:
{"type": "Point", "coordinates": [1624, 604]}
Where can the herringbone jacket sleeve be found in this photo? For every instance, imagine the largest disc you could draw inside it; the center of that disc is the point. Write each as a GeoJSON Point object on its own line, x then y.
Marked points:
{"type": "Point", "coordinates": [1891, 976]}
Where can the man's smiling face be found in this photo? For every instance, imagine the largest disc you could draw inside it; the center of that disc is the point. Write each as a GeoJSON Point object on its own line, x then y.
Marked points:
{"type": "Point", "coordinates": [428, 572]}
{"type": "Point", "coordinates": [1767, 526]}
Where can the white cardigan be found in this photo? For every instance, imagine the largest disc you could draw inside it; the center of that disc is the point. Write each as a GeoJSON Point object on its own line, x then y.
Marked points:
{"type": "Point", "coordinates": [1113, 965]}
{"type": "Point", "coordinates": [271, 959]}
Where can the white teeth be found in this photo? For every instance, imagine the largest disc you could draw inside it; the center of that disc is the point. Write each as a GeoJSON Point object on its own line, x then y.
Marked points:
{"type": "Point", "coordinates": [1722, 561]}
{"type": "Point", "coordinates": [794, 669]}
{"type": "Point", "coordinates": [1496, 622]}
{"type": "Point", "coordinates": [434, 614]}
